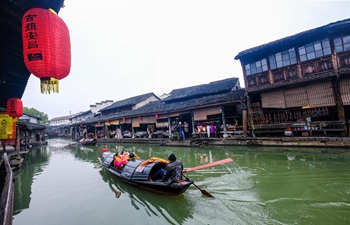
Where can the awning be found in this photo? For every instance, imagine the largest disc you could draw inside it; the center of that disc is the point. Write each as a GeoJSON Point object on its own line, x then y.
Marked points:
{"type": "Point", "coordinates": [148, 119]}
{"type": "Point", "coordinates": [114, 122]}
{"type": "Point", "coordinates": [174, 115]}
{"type": "Point", "coordinates": [296, 97]}
{"type": "Point", "coordinates": [126, 121]}
{"type": "Point", "coordinates": [273, 99]}
{"type": "Point", "coordinates": [201, 114]}
{"type": "Point", "coordinates": [135, 122]}
{"type": "Point", "coordinates": [345, 91]}
{"type": "Point", "coordinates": [320, 94]}
{"type": "Point", "coordinates": [162, 116]}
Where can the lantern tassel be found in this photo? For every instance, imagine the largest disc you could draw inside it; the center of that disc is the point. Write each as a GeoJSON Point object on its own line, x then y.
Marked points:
{"type": "Point", "coordinates": [49, 85]}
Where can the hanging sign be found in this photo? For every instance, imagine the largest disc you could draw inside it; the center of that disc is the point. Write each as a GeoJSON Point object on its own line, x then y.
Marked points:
{"type": "Point", "coordinates": [7, 127]}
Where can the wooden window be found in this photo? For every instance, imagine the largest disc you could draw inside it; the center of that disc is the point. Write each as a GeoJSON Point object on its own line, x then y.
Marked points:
{"type": "Point", "coordinates": [282, 59]}
{"type": "Point", "coordinates": [273, 99]}
{"type": "Point", "coordinates": [314, 50]}
{"type": "Point", "coordinates": [256, 67]}
{"type": "Point", "coordinates": [201, 114]}
{"type": "Point", "coordinates": [342, 43]}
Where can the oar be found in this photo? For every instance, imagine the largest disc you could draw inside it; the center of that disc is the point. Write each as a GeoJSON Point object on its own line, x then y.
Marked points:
{"type": "Point", "coordinates": [71, 144]}
{"type": "Point", "coordinates": [117, 193]}
{"type": "Point", "coordinates": [204, 192]}
{"type": "Point", "coordinates": [208, 165]}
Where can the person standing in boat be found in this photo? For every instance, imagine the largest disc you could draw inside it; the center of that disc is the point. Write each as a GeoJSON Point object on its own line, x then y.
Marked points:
{"type": "Point", "coordinates": [172, 172]}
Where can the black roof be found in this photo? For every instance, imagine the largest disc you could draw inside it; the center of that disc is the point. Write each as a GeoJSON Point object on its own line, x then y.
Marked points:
{"type": "Point", "coordinates": [215, 87]}
{"type": "Point", "coordinates": [129, 101]}
{"type": "Point", "coordinates": [80, 114]}
{"type": "Point", "coordinates": [31, 126]}
{"type": "Point", "coordinates": [297, 39]}
{"type": "Point", "coordinates": [159, 107]}
{"type": "Point", "coordinates": [13, 72]}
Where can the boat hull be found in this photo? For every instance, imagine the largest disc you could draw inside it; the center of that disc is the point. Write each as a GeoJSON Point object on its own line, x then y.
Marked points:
{"type": "Point", "coordinates": [134, 173]}
{"type": "Point", "coordinates": [87, 141]}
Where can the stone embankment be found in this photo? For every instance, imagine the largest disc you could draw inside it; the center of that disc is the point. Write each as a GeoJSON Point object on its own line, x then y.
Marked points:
{"type": "Point", "coordinates": [241, 141]}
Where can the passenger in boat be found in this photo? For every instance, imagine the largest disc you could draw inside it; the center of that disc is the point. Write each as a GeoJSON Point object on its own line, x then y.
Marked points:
{"type": "Point", "coordinates": [171, 173]}
{"type": "Point", "coordinates": [119, 162]}
{"type": "Point", "coordinates": [133, 156]}
{"type": "Point", "coordinates": [125, 155]}
{"type": "Point", "coordinates": [104, 150]}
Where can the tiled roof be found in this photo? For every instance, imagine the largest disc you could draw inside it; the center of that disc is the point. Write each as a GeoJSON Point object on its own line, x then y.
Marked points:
{"type": "Point", "coordinates": [299, 38]}
{"type": "Point", "coordinates": [162, 107]}
{"type": "Point", "coordinates": [60, 118]}
{"type": "Point", "coordinates": [220, 86]}
{"type": "Point", "coordinates": [129, 101]}
{"type": "Point", "coordinates": [81, 114]}
{"type": "Point", "coordinates": [32, 126]}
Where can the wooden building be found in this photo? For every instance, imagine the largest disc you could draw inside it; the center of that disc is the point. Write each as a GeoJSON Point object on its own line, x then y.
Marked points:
{"type": "Point", "coordinates": [219, 102]}
{"type": "Point", "coordinates": [300, 83]}
{"type": "Point", "coordinates": [31, 131]}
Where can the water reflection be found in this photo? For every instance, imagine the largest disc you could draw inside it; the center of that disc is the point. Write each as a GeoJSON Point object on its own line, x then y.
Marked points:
{"type": "Point", "coordinates": [262, 186]}
{"type": "Point", "coordinates": [152, 204]}
{"type": "Point", "coordinates": [32, 167]}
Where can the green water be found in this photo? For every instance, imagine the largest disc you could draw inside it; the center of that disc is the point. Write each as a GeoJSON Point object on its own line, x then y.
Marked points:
{"type": "Point", "coordinates": [66, 185]}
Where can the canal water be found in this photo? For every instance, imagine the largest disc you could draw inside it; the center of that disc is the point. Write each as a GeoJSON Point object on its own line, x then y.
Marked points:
{"type": "Point", "coordinates": [60, 184]}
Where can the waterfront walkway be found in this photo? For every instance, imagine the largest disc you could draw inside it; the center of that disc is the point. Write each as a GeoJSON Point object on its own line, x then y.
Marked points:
{"type": "Point", "coordinates": [241, 141]}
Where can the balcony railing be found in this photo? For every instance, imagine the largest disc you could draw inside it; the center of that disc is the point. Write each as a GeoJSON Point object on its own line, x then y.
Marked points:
{"type": "Point", "coordinates": [310, 69]}
{"type": "Point", "coordinates": [344, 62]}
{"type": "Point", "coordinates": [317, 66]}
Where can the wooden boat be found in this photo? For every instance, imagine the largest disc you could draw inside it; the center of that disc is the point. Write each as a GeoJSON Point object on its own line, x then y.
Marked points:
{"type": "Point", "coordinates": [88, 141]}
{"type": "Point", "coordinates": [138, 175]}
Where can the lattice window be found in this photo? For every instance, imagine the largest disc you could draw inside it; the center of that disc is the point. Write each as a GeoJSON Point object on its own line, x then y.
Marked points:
{"type": "Point", "coordinates": [342, 43]}
{"type": "Point", "coordinates": [314, 50]}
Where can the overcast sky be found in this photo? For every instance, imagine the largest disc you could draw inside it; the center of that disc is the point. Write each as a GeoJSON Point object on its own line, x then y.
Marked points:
{"type": "Point", "coordinates": [122, 49]}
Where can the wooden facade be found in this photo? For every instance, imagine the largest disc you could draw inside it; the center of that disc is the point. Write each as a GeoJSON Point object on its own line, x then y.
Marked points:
{"type": "Point", "coordinates": [297, 79]}
{"type": "Point", "coordinates": [219, 102]}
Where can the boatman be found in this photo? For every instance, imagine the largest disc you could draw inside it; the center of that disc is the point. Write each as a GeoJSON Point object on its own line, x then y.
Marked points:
{"type": "Point", "coordinates": [172, 172]}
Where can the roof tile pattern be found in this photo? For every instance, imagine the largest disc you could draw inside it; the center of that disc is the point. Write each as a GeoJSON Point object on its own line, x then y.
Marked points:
{"type": "Point", "coordinates": [129, 101]}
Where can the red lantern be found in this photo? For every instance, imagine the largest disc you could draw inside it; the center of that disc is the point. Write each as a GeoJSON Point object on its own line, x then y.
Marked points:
{"type": "Point", "coordinates": [124, 119]}
{"type": "Point", "coordinates": [140, 118]}
{"type": "Point", "coordinates": [157, 116]}
{"type": "Point", "coordinates": [14, 107]}
{"type": "Point", "coordinates": [46, 47]}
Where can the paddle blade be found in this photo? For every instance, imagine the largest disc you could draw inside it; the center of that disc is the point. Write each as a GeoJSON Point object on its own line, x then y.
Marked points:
{"type": "Point", "coordinates": [220, 162]}
{"type": "Point", "coordinates": [204, 192]}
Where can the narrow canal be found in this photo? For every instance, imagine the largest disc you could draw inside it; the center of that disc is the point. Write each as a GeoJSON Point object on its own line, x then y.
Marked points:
{"type": "Point", "coordinates": [59, 185]}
